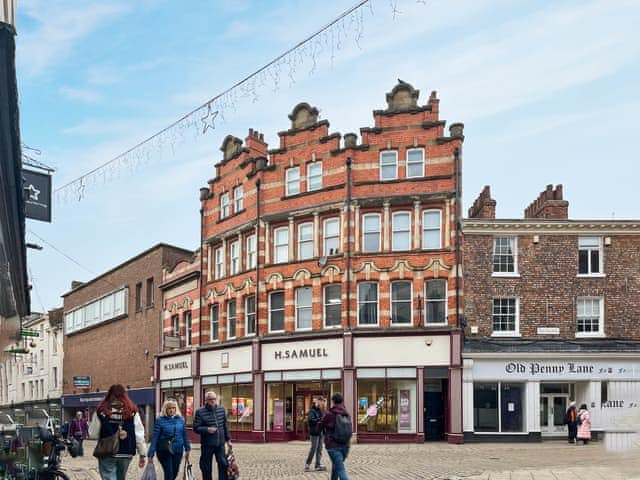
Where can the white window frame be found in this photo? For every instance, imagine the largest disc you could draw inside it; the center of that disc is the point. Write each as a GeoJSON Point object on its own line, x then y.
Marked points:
{"type": "Point", "coordinates": [281, 249]}
{"type": "Point", "coordinates": [394, 231]}
{"type": "Point", "coordinates": [175, 325]}
{"type": "Point", "coordinates": [314, 179]}
{"type": "Point", "coordinates": [366, 232]}
{"type": "Point", "coordinates": [188, 328]}
{"type": "Point", "coordinates": [218, 267]}
{"type": "Point", "coordinates": [514, 248]}
{"type": "Point", "coordinates": [305, 241]}
{"type": "Point", "coordinates": [284, 320]}
{"type": "Point", "coordinates": [359, 303]}
{"type": "Point", "coordinates": [232, 320]}
{"type": "Point", "coordinates": [214, 307]}
{"type": "Point", "coordinates": [224, 205]}
{"type": "Point", "coordinates": [414, 163]}
{"type": "Point", "coordinates": [427, 301]}
{"type": "Point", "coordinates": [234, 253]}
{"type": "Point", "coordinates": [248, 315]}
{"type": "Point", "coordinates": [507, 333]}
{"type": "Point", "coordinates": [600, 332]}
{"type": "Point", "coordinates": [428, 228]}
{"type": "Point", "coordinates": [410, 301]}
{"type": "Point", "coordinates": [387, 162]}
{"type": "Point", "coordinates": [304, 307]}
{"type": "Point", "coordinates": [292, 183]}
{"type": "Point", "coordinates": [238, 199]}
{"type": "Point", "coordinates": [252, 256]}
{"type": "Point", "coordinates": [327, 240]}
{"type": "Point", "coordinates": [325, 305]}
{"type": "Point", "coordinates": [592, 244]}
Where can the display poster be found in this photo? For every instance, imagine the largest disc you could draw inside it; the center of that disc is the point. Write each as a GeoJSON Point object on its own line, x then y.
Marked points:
{"type": "Point", "coordinates": [247, 409]}
{"type": "Point", "coordinates": [189, 406]}
{"type": "Point", "coordinates": [364, 403]}
{"type": "Point", "coordinates": [278, 415]}
{"type": "Point", "coordinates": [405, 409]}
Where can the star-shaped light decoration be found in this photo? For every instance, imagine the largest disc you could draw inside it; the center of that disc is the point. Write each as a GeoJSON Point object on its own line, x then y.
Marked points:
{"type": "Point", "coordinates": [208, 119]}
{"type": "Point", "coordinates": [33, 192]}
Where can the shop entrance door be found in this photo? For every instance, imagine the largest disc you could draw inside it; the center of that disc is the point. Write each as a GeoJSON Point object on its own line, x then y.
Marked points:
{"type": "Point", "coordinates": [303, 403]}
{"type": "Point", "coordinates": [434, 410]}
{"type": "Point", "coordinates": [552, 411]}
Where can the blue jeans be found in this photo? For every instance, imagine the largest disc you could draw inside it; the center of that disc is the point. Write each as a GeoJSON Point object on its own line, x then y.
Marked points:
{"type": "Point", "coordinates": [113, 468]}
{"type": "Point", "coordinates": [338, 455]}
{"type": "Point", "coordinates": [316, 449]}
{"type": "Point", "coordinates": [170, 464]}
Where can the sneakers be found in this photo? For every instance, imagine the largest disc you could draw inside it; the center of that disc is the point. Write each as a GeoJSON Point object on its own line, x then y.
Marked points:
{"type": "Point", "coordinates": [321, 468]}
{"type": "Point", "coordinates": [307, 468]}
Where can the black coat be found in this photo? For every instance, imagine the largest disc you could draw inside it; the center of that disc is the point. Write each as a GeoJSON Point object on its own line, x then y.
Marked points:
{"type": "Point", "coordinates": [211, 417]}
{"type": "Point", "coordinates": [313, 417]}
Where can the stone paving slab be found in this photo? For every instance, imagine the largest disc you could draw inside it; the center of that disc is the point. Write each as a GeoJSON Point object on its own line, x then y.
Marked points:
{"type": "Point", "coordinates": [429, 461]}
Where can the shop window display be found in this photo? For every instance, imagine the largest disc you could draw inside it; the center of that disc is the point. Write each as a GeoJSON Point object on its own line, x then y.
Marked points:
{"type": "Point", "coordinates": [280, 407]}
{"type": "Point", "coordinates": [237, 400]}
{"type": "Point", "coordinates": [184, 399]}
{"type": "Point", "coordinates": [386, 406]}
{"type": "Point", "coordinates": [498, 407]}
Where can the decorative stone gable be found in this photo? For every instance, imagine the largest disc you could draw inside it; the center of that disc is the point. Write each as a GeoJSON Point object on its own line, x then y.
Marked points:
{"type": "Point", "coordinates": [403, 97]}
{"type": "Point", "coordinates": [303, 116]}
{"type": "Point", "coordinates": [231, 146]}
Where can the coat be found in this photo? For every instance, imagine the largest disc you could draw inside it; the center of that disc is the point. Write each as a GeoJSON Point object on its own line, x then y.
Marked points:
{"type": "Point", "coordinates": [211, 417]}
{"type": "Point", "coordinates": [167, 427]}
{"type": "Point", "coordinates": [328, 424]}
{"type": "Point", "coordinates": [584, 428]}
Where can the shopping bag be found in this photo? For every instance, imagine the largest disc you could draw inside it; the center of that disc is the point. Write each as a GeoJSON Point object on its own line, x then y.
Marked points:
{"type": "Point", "coordinates": [233, 470]}
{"type": "Point", "coordinates": [94, 427]}
{"type": "Point", "coordinates": [149, 472]}
{"type": "Point", "coordinates": [188, 472]}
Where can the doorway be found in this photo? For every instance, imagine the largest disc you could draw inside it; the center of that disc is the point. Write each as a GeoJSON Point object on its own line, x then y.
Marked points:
{"type": "Point", "coordinates": [304, 400]}
{"type": "Point", "coordinates": [553, 408]}
{"type": "Point", "coordinates": [434, 409]}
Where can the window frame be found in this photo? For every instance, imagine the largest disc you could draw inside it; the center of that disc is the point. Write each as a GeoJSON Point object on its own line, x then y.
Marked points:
{"type": "Point", "coordinates": [175, 325]}
{"type": "Point", "coordinates": [305, 242]}
{"type": "Point", "coordinates": [238, 200]}
{"type": "Point", "coordinates": [514, 248]}
{"type": "Point", "coordinates": [395, 302]}
{"type": "Point", "coordinates": [214, 307]}
{"type": "Point", "coordinates": [366, 233]}
{"type": "Point", "coordinates": [325, 250]}
{"type": "Point", "coordinates": [234, 259]}
{"type": "Point", "coordinates": [394, 231]}
{"type": "Point", "coordinates": [218, 263]}
{"type": "Point", "coordinates": [385, 164]}
{"type": "Point", "coordinates": [251, 257]}
{"type": "Point", "coordinates": [589, 249]}
{"type": "Point", "coordinates": [224, 205]}
{"type": "Point", "coordinates": [290, 182]}
{"type": "Point", "coordinates": [407, 163]}
{"type": "Point", "coordinates": [271, 310]}
{"type": "Point", "coordinates": [248, 315]}
{"type": "Point", "coordinates": [431, 229]}
{"type": "Point", "coordinates": [325, 305]}
{"type": "Point", "coordinates": [311, 176]}
{"type": "Point", "coordinates": [299, 307]}
{"type": "Point", "coordinates": [516, 328]}
{"type": "Point", "coordinates": [232, 319]}
{"type": "Point", "coordinates": [591, 334]}
{"type": "Point", "coordinates": [188, 328]}
{"type": "Point", "coordinates": [444, 300]}
{"type": "Point", "coordinates": [280, 246]}
{"type": "Point", "coordinates": [377, 302]}
{"type": "Point", "coordinates": [150, 292]}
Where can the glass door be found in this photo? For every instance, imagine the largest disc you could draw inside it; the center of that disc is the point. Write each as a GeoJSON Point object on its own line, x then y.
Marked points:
{"type": "Point", "coordinates": [552, 411]}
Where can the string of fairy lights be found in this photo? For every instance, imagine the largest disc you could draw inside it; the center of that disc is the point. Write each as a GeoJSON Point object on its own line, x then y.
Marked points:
{"type": "Point", "coordinates": [283, 70]}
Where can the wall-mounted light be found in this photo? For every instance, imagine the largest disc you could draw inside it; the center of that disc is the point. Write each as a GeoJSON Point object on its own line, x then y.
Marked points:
{"type": "Point", "coordinates": [536, 239]}
{"type": "Point", "coordinates": [607, 241]}
{"type": "Point", "coordinates": [474, 329]}
{"type": "Point", "coordinates": [428, 341]}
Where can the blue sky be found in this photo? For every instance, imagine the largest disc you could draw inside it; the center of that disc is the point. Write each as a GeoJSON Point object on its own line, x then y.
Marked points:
{"type": "Point", "coordinates": [547, 92]}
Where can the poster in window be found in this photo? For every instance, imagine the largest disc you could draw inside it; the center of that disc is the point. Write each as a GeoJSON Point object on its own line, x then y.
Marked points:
{"type": "Point", "coordinates": [405, 409]}
{"type": "Point", "coordinates": [278, 415]}
{"type": "Point", "coordinates": [246, 411]}
{"type": "Point", "coordinates": [189, 406]}
{"type": "Point", "coordinates": [234, 406]}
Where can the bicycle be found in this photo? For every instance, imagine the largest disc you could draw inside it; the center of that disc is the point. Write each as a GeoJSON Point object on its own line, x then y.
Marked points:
{"type": "Point", "coordinates": [51, 469]}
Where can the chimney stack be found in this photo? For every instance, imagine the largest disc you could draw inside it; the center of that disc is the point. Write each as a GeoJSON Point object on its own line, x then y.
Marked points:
{"type": "Point", "coordinates": [256, 144]}
{"type": "Point", "coordinates": [549, 205]}
{"type": "Point", "coordinates": [484, 206]}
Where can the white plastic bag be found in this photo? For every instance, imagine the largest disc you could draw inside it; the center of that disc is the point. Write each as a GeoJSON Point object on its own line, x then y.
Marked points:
{"type": "Point", "coordinates": [94, 427]}
{"type": "Point", "coordinates": [149, 472]}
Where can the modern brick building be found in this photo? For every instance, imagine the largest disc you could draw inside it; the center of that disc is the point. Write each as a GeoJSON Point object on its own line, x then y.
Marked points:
{"type": "Point", "coordinates": [328, 265]}
{"type": "Point", "coordinates": [551, 306]}
{"type": "Point", "coordinates": [112, 330]}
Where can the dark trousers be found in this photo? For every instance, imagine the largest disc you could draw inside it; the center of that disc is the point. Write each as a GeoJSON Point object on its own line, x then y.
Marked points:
{"type": "Point", "coordinates": [206, 458]}
{"type": "Point", "coordinates": [316, 449]}
{"type": "Point", "coordinates": [170, 464]}
{"type": "Point", "coordinates": [573, 433]}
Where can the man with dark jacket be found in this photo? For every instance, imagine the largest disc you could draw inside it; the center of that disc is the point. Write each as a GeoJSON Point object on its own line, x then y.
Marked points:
{"type": "Point", "coordinates": [210, 423]}
{"type": "Point", "coordinates": [315, 433]}
{"type": "Point", "coordinates": [571, 419]}
{"type": "Point", "coordinates": [337, 450]}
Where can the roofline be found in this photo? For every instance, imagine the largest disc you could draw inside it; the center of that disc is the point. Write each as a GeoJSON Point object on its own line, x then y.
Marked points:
{"type": "Point", "coordinates": [126, 262]}
{"type": "Point", "coordinates": [541, 226]}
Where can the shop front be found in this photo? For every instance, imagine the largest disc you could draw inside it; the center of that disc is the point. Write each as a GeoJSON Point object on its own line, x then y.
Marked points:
{"type": "Point", "coordinates": [176, 383]}
{"type": "Point", "coordinates": [526, 398]}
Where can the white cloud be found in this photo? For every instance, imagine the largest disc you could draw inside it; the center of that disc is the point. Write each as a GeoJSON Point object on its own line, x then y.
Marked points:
{"type": "Point", "coordinates": [80, 94]}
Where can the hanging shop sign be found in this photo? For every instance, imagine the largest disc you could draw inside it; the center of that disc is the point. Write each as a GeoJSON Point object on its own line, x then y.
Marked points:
{"type": "Point", "coordinates": [37, 188]}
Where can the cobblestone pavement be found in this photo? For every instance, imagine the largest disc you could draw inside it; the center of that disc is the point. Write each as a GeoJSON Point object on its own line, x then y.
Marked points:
{"type": "Point", "coordinates": [439, 461]}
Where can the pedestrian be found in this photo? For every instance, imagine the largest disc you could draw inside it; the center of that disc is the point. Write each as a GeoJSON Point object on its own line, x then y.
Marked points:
{"type": "Point", "coordinates": [571, 419]}
{"type": "Point", "coordinates": [117, 413]}
{"type": "Point", "coordinates": [584, 424]}
{"type": "Point", "coordinates": [337, 426]}
{"type": "Point", "coordinates": [315, 433]}
{"type": "Point", "coordinates": [64, 430]}
{"type": "Point", "coordinates": [79, 430]}
{"type": "Point", "coordinates": [210, 423]}
{"type": "Point", "coordinates": [169, 440]}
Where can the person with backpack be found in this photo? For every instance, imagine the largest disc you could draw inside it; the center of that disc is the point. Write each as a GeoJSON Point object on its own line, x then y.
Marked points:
{"type": "Point", "coordinates": [571, 419]}
{"type": "Point", "coordinates": [338, 428]}
{"type": "Point", "coordinates": [315, 433]}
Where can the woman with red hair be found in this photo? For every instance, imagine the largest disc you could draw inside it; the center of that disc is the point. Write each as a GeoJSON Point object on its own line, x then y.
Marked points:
{"type": "Point", "coordinates": [118, 413]}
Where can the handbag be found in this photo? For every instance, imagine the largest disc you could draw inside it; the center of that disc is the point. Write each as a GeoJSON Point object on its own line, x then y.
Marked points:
{"type": "Point", "coordinates": [165, 445]}
{"type": "Point", "coordinates": [107, 446]}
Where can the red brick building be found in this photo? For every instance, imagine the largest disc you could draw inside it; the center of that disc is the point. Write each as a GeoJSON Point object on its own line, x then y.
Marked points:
{"type": "Point", "coordinates": [329, 265]}
{"type": "Point", "coordinates": [112, 328]}
{"type": "Point", "coordinates": [551, 307]}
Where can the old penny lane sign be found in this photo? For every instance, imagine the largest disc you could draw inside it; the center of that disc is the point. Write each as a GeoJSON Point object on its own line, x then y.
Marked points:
{"type": "Point", "coordinates": [296, 353]}
{"type": "Point", "coordinates": [536, 368]}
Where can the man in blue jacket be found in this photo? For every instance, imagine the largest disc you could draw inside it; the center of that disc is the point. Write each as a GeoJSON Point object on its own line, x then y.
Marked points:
{"type": "Point", "coordinates": [211, 424]}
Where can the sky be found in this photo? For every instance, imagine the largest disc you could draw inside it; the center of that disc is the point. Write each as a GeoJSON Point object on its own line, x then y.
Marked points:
{"type": "Point", "coordinates": [547, 92]}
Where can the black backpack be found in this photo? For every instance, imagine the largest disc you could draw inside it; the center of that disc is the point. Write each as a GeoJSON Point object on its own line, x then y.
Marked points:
{"type": "Point", "coordinates": [343, 429]}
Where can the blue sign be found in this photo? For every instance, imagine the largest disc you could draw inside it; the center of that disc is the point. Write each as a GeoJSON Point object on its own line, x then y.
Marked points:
{"type": "Point", "coordinates": [82, 382]}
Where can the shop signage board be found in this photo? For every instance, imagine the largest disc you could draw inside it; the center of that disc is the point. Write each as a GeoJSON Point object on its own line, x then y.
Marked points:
{"type": "Point", "coordinates": [82, 381]}
{"type": "Point", "coordinates": [560, 369]}
{"type": "Point", "coordinates": [175, 367]}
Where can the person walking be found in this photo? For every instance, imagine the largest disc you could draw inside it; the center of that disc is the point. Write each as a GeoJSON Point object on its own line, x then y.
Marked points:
{"type": "Point", "coordinates": [571, 419]}
{"type": "Point", "coordinates": [79, 430]}
{"type": "Point", "coordinates": [210, 423]}
{"type": "Point", "coordinates": [584, 424]}
{"type": "Point", "coordinates": [315, 433]}
{"type": "Point", "coordinates": [169, 440]}
{"type": "Point", "coordinates": [337, 426]}
{"type": "Point", "coordinates": [117, 413]}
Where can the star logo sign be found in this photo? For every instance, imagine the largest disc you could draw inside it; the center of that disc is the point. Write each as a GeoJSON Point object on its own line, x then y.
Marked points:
{"type": "Point", "coordinates": [33, 192]}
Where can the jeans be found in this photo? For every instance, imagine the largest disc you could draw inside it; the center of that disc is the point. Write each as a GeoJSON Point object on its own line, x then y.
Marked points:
{"type": "Point", "coordinates": [572, 433]}
{"type": "Point", "coordinates": [316, 449]}
{"type": "Point", "coordinates": [338, 455]}
{"type": "Point", "coordinates": [206, 458]}
{"type": "Point", "coordinates": [80, 439]}
{"type": "Point", "coordinates": [113, 468]}
{"type": "Point", "coordinates": [170, 464]}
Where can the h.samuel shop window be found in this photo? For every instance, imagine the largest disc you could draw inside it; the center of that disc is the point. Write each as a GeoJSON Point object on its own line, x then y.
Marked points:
{"type": "Point", "coordinates": [235, 394]}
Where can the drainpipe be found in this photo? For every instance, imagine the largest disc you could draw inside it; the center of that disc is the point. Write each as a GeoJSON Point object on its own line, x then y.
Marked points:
{"type": "Point", "coordinates": [257, 332]}
{"type": "Point", "coordinates": [456, 161]}
{"type": "Point", "coordinates": [348, 262]}
{"type": "Point", "coordinates": [201, 277]}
